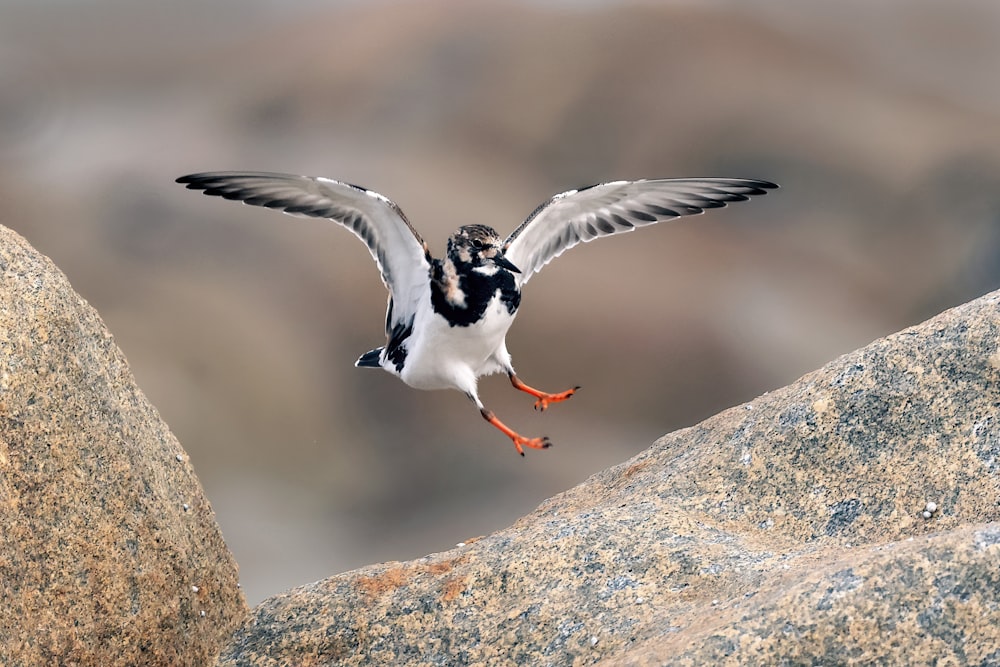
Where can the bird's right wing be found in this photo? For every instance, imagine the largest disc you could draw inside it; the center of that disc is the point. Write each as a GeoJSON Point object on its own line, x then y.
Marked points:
{"type": "Point", "coordinates": [401, 255]}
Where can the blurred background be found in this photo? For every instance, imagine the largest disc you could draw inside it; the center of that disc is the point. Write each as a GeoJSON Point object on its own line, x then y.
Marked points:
{"type": "Point", "coordinates": [880, 120]}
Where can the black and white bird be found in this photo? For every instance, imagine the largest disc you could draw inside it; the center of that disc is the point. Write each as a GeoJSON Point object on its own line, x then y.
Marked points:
{"type": "Point", "coordinates": [448, 318]}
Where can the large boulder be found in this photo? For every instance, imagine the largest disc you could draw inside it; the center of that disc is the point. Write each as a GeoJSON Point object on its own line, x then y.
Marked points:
{"type": "Point", "coordinates": [109, 552]}
{"type": "Point", "coordinates": [849, 516]}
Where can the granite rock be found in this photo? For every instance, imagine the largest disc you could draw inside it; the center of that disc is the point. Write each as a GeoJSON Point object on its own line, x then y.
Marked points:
{"type": "Point", "coordinates": [109, 552]}
{"type": "Point", "coordinates": [848, 517]}
{"type": "Point", "coordinates": [926, 600]}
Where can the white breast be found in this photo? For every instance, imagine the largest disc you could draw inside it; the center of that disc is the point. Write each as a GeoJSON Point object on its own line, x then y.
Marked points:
{"type": "Point", "coordinates": [440, 356]}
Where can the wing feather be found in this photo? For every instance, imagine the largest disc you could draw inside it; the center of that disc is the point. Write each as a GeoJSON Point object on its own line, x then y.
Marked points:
{"type": "Point", "coordinates": [398, 250]}
{"type": "Point", "coordinates": [579, 216]}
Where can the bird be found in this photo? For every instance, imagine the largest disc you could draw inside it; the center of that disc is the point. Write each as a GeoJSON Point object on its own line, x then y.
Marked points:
{"type": "Point", "coordinates": [447, 318]}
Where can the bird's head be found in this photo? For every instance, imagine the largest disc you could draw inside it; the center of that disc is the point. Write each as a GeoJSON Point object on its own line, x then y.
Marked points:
{"type": "Point", "coordinates": [478, 245]}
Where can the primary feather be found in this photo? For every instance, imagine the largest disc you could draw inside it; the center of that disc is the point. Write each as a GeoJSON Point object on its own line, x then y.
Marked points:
{"type": "Point", "coordinates": [579, 216]}
{"type": "Point", "coordinates": [398, 250]}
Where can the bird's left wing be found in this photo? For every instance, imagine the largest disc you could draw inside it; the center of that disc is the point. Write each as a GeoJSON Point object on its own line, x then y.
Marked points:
{"type": "Point", "coordinates": [398, 250]}
{"type": "Point", "coordinates": [583, 215]}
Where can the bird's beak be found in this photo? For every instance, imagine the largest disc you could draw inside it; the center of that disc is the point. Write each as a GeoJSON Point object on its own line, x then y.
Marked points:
{"type": "Point", "coordinates": [502, 261]}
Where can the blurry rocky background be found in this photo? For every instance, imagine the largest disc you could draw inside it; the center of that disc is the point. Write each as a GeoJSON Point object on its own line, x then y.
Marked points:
{"type": "Point", "coordinates": [882, 124]}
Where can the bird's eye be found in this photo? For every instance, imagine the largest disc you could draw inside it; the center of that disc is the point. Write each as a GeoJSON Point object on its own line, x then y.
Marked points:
{"type": "Point", "coordinates": [477, 244]}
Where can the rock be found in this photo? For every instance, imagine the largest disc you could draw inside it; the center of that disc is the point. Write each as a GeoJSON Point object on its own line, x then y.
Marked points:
{"type": "Point", "coordinates": [849, 516]}
{"type": "Point", "coordinates": [110, 554]}
{"type": "Point", "coordinates": [927, 600]}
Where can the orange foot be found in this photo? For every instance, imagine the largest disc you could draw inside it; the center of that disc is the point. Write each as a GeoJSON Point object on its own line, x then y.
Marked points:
{"type": "Point", "coordinates": [544, 398]}
{"type": "Point", "coordinates": [520, 442]}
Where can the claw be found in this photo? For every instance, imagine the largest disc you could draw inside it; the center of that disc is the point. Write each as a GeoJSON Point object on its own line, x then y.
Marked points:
{"type": "Point", "coordinates": [520, 441]}
{"type": "Point", "coordinates": [543, 401]}
{"type": "Point", "coordinates": [544, 398]}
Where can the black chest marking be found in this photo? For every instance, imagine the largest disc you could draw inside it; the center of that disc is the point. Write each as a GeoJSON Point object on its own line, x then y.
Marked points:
{"type": "Point", "coordinates": [475, 291]}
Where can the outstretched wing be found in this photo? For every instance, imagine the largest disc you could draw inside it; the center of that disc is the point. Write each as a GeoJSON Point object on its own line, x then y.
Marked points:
{"type": "Point", "coordinates": [583, 215]}
{"type": "Point", "coordinates": [399, 252]}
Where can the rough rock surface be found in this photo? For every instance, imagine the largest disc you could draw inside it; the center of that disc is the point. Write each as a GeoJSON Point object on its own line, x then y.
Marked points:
{"type": "Point", "coordinates": [794, 529]}
{"type": "Point", "coordinates": [109, 552]}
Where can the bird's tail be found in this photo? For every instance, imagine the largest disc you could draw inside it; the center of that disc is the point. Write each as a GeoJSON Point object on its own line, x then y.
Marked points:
{"type": "Point", "coordinates": [370, 359]}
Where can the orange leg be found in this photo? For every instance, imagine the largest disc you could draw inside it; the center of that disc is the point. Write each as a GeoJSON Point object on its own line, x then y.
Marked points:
{"type": "Point", "coordinates": [543, 398]}
{"type": "Point", "coordinates": [519, 440]}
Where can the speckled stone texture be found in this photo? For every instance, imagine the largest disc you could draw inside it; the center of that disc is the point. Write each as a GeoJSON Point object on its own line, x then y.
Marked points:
{"type": "Point", "coordinates": [109, 552]}
{"type": "Point", "coordinates": [789, 530]}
